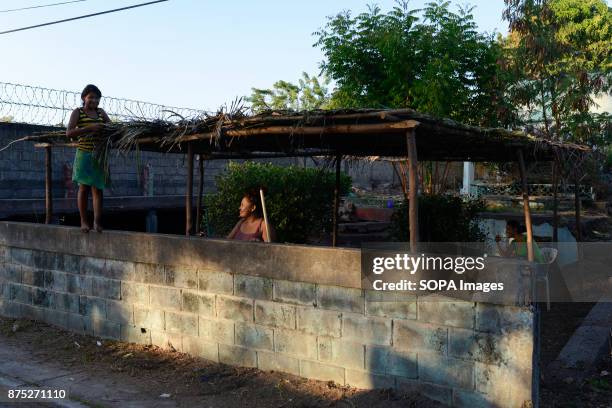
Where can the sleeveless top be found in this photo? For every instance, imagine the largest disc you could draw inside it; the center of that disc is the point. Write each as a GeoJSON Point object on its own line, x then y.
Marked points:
{"type": "Point", "coordinates": [244, 236]}
{"type": "Point", "coordinates": [88, 142]}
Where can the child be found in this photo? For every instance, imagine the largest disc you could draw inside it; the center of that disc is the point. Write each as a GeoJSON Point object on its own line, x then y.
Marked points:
{"type": "Point", "coordinates": [86, 124]}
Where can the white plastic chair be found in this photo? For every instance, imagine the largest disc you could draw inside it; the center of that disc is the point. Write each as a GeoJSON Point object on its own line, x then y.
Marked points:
{"type": "Point", "coordinates": [542, 271]}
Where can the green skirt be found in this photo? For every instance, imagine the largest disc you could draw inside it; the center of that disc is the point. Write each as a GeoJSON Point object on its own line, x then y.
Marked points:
{"type": "Point", "coordinates": [88, 172]}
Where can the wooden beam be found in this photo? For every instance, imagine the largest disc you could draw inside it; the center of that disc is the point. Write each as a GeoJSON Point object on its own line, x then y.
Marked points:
{"type": "Point", "coordinates": [189, 192]}
{"type": "Point", "coordinates": [577, 206]}
{"type": "Point", "coordinates": [413, 205]}
{"type": "Point", "coordinates": [555, 186]}
{"type": "Point", "coordinates": [200, 192]}
{"type": "Point", "coordinates": [526, 209]}
{"type": "Point", "coordinates": [336, 201]}
{"type": "Point", "coordinates": [48, 186]}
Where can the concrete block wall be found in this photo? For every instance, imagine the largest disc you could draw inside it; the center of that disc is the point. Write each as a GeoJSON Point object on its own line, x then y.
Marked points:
{"type": "Point", "coordinates": [286, 308]}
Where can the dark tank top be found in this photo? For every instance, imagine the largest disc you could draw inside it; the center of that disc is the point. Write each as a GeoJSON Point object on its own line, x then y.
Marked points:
{"type": "Point", "coordinates": [243, 236]}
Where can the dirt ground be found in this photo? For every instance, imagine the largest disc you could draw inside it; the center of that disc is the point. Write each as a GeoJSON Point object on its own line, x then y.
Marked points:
{"type": "Point", "coordinates": [192, 380]}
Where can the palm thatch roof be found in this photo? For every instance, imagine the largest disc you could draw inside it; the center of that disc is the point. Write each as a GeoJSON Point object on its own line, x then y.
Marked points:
{"type": "Point", "coordinates": [356, 133]}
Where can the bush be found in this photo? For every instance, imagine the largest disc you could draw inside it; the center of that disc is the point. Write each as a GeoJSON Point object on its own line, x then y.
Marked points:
{"type": "Point", "coordinates": [299, 201]}
{"type": "Point", "coordinates": [442, 218]}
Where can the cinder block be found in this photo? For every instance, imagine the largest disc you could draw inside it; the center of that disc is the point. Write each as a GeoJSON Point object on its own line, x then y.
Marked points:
{"type": "Point", "coordinates": [367, 380]}
{"type": "Point", "coordinates": [295, 343]}
{"type": "Point", "coordinates": [274, 314]}
{"type": "Point", "coordinates": [446, 371]}
{"type": "Point", "coordinates": [218, 331]}
{"type": "Point", "coordinates": [182, 323]}
{"type": "Point", "coordinates": [386, 360]}
{"type": "Point", "coordinates": [435, 392]}
{"type": "Point", "coordinates": [33, 277]}
{"type": "Point", "coordinates": [92, 266]}
{"type": "Point", "coordinates": [342, 299]}
{"type": "Point", "coordinates": [41, 297]}
{"type": "Point", "coordinates": [149, 273]}
{"type": "Point", "coordinates": [415, 336]}
{"type": "Point", "coordinates": [167, 340]}
{"type": "Point", "coordinates": [298, 293]}
{"type": "Point", "coordinates": [198, 347]}
{"type": "Point", "coordinates": [106, 288]}
{"type": "Point", "coordinates": [503, 319]}
{"type": "Point", "coordinates": [253, 287]}
{"type": "Point", "coordinates": [135, 293]}
{"type": "Point", "coordinates": [182, 276]}
{"type": "Point", "coordinates": [106, 329]}
{"type": "Point", "coordinates": [56, 318]}
{"type": "Point", "coordinates": [20, 293]}
{"type": "Point", "coordinates": [120, 270]}
{"type": "Point", "coordinates": [369, 330]}
{"type": "Point", "coordinates": [20, 256]}
{"type": "Point", "coordinates": [32, 312]}
{"type": "Point", "coordinates": [254, 336]}
{"type": "Point", "coordinates": [395, 307]}
{"type": "Point", "coordinates": [215, 282]}
{"type": "Point", "coordinates": [471, 399]}
{"type": "Point", "coordinates": [72, 263]}
{"type": "Point", "coordinates": [133, 334]}
{"type": "Point", "coordinates": [236, 309]}
{"type": "Point", "coordinates": [92, 306]}
{"type": "Point", "coordinates": [80, 324]}
{"type": "Point", "coordinates": [50, 261]}
{"type": "Point", "coordinates": [236, 355]}
{"type": "Point", "coordinates": [149, 318]}
{"type": "Point", "coordinates": [120, 312]}
{"type": "Point", "coordinates": [320, 322]}
{"type": "Point", "coordinates": [342, 353]}
{"type": "Point", "coordinates": [447, 313]}
{"type": "Point", "coordinates": [277, 362]}
{"type": "Point", "coordinates": [323, 372]}
{"type": "Point", "coordinates": [79, 284]}
{"type": "Point", "coordinates": [199, 303]}
{"type": "Point", "coordinates": [509, 385]}
{"type": "Point", "coordinates": [11, 272]}
{"type": "Point", "coordinates": [55, 281]}
{"type": "Point", "coordinates": [165, 298]}
{"type": "Point", "coordinates": [10, 309]}
{"type": "Point", "coordinates": [67, 302]}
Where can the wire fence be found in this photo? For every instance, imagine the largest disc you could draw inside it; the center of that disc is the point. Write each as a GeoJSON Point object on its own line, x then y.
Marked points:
{"type": "Point", "coordinates": [52, 107]}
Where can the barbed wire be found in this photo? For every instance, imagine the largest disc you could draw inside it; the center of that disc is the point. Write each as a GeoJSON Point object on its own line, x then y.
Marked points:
{"type": "Point", "coordinates": [52, 107]}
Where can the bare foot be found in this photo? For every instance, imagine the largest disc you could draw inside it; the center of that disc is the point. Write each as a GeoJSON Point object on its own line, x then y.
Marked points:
{"type": "Point", "coordinates": [97, 227]}
{"type": "Point", "coordinates": [85, 228]}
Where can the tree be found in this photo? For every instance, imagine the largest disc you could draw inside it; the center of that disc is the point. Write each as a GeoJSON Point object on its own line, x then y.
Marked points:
{"type": "Point", "coordinates": [310, 93]}
{"type": "Point", "coordinates": [441, 65]}
{"type": "Point", "coordinates": [558, 52]}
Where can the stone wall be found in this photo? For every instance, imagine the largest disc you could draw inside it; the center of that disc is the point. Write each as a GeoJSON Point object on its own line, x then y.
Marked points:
{"type": "Point", "coordinates": [289, 308]}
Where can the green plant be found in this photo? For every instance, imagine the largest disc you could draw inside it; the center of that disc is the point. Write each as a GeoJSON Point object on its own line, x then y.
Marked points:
{"type": "Point", "coordinates": [442, 218]}
{"type": "Point", "coordinates": [299, 200]}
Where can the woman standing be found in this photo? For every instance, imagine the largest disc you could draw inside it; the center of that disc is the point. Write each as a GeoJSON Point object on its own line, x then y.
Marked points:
{"type": "Point", "coordinates": [86, 124]}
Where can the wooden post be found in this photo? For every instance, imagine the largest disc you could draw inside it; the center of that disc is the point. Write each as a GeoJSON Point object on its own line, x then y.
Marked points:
{"type": "Point", "coordinates": [200, 192]}
{"type": "Point", "coordinates": [48, 186]}
{"type": "Point", "coordinates": [577, 206]}
{"type": "Point", "coordinates": [526, 208]}
{"type": "Point", "coordinates": [336, 202]}
{"type": "Point", "coordinates": [555, 186]}
{"type": "Point", "coordinates": [189, 193]}
{"type": "Point", "coordinates": [413, 205]}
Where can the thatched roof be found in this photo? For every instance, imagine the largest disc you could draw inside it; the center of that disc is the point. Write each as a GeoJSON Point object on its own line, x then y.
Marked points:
{"type": "Point", "coordinates": [357, 133]}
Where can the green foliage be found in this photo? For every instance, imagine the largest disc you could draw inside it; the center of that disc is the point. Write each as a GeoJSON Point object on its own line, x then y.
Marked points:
{"type": "Point", "coordinates": [441, 65]}
{"type": "Point", "coordinates": [310, 93]}
{"type": "Point", "coordinates": [442, 218]}
{"type": "Point", "coordinates": [558, 52]}
{"type": "Point", "coordinates": [299, 201]}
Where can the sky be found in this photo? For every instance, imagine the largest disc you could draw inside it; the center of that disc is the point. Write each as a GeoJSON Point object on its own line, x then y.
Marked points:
{"type": "Point", "coordinates": [185, 53]}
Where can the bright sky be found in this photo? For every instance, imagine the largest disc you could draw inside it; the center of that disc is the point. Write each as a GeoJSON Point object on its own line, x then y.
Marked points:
{"type": "Point", "coordinates": [186, 53]}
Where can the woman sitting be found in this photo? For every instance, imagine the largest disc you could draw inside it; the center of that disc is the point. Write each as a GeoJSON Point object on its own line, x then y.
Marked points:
{"type": "Point", "coordinates": [517, 245]}
{"type": "Point", "coordinates": [251, 226]}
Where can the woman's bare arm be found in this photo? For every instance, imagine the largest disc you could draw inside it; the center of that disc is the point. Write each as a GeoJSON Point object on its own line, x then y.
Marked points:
{"type": "Point", "coordinates": [105, 117]}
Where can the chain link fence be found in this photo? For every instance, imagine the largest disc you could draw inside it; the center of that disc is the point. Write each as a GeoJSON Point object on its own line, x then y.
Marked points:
{"type": "Point", "coordinates": [52, 107]}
